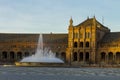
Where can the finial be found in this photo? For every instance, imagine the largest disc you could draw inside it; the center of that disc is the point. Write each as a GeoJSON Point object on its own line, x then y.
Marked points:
{"type": "Point", "coordinates": [71, 21]}
{"type": "Point", "coordinates": [94, 16]}
{"type": "Point", "coordinates": [94, 20]}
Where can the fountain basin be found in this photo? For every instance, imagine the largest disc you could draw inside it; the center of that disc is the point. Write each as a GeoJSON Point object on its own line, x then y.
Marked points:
{"type": "Point", "coordinates": [39, 64]}
{"type": "Point", "coordinates": [43, 57]}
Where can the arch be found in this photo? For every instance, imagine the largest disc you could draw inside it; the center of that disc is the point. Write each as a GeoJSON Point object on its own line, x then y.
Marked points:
{"type": "Point", "coordinates": [118, 57]}
{"type": "Point", "coordinates": [63, 55]}
{"type": "Point", "coordinates": [19, 55]}
{"type": "Point", "coordinates": [4, 55]}
{"type": "Point", "coordinates": [12, 55]}
{"type": "Point", "coordinates": [110, 57]}
{"type": "Point", "coordinates": [81, 56]}
{"type": "Point", "coordinates": [81, 44]}
{"type": "Point", "coordinates": [75, 56]}
{"type": "Point", "coordinates": [57, 54]}
{"type": "Point", "coordinates": [87, 44]}
{"type": "Point", "coordinates": [103, 55]}
{"type": "Point", "coordinates": [27, 54]}
{"type": "Point", "coordinates": [33, 53]}
{"type": "Point", "coordinates": [75, 44]}
{"type": "Point", "coordinates": [87, 56]}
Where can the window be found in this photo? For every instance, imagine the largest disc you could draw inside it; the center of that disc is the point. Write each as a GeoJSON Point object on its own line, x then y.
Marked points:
{"type": "Point", "coordinates": [75, 35]}
{"type": "Point", "coordinates": [4, 55]}
{"type": "Point", "coordinates": [87, 35]}
{"type": "Point", "coordinates": [75, 44]}
{"type": "Point", "coordinates": [81, 56]}
{"type": "Point", "coordinates": [81, 35]}
{"type": "Point", "coordinates": [75, 56]}
{"type": "Point", "coordinates": [87, 56]}
{"type": "Point", "coordinates": [87, 44]}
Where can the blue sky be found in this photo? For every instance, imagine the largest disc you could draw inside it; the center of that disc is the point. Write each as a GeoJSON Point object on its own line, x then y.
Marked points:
{"type": "Point", "coordinates": [45, 16]}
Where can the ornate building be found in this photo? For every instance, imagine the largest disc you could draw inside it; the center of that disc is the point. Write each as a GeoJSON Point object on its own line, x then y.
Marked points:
{"type": "Point", "coordinates": [90, 42]}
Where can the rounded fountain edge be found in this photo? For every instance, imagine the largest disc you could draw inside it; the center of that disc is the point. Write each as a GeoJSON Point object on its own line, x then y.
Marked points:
{"type": "Point", "coordinates": [39, 64]}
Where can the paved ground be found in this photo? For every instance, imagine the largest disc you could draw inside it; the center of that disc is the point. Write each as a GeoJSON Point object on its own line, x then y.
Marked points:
{"type": "Point", "coordinates": [38, 73]}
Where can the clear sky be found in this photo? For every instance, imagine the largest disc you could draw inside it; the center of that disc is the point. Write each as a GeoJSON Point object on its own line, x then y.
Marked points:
{"type": "Point", "coordinates": [45, 16]}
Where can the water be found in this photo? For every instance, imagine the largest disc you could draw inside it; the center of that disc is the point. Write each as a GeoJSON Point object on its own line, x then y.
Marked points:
{"type": "Point", "coordinates": [42, 54]}
{"type": "Point", "coordinates": [45, 73]}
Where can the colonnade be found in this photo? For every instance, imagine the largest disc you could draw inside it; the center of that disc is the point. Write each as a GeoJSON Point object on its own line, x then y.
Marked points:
{"type": "Point", "coordinates": [110, 57]}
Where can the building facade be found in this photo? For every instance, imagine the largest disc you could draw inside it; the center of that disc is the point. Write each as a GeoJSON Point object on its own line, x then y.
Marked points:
{"type": "Point", "coordinates": [14, 47]}
{"type": "Point", "coordinates": [91, 42]}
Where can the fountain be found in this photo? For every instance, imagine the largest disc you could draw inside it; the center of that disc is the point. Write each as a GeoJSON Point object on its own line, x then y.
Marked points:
{"type": "Point", "coordinates": [42, 57]}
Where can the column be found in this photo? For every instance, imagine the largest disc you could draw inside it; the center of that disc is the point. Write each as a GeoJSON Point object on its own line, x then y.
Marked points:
{"type": "Point", "coordinates": [8, 56]}
{"type": "Point", "coordinates": [115, 58]}
{"type": "Point", "coordinates": [107, 58]}
{"type": "Point", "coordinates": [78, 56]}
{"type": "Point", "coordinates": [0, 55]}
{"type": "Point", "coordinates": [84, 54]}
{"type": "Point", "coordinates": [15, 54]}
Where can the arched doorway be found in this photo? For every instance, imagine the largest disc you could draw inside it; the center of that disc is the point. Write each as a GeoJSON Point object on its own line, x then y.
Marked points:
{"type": "Point", "coordinates": [19, 55]}
{"type": "Point", "coordinates": [87, 56]}
{"type": "Point", "coordinates": [63, 55]}
{"type": "Point", "coordinates": [81, 56]}
{"type": "Point", "coordinates": [118, 57]}
{"type": "Point", "coordinates": [57, 54]}
{"type": "Point", "coordinates": [103, 55]}
{"type": "Point", "coordinates": [110, 57]}
{"type": "Point", "coordinates": [26, 54]}
{"type": "Point", "coordinates": [12, 55]}
{"type": "Point", "coordinates": [4, 55]}
{"type": "Point", "coordinates": [75, 56]}
{"type": "Point", "coordinates": [33, 53]}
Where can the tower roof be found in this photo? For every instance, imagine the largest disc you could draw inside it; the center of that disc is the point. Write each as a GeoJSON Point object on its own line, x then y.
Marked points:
{"type": "Point", "coordinates": [90, 21]}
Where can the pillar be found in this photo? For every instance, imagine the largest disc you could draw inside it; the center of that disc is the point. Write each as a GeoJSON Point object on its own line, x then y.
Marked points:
{"type": "Point", "coordinates": [107, 58]}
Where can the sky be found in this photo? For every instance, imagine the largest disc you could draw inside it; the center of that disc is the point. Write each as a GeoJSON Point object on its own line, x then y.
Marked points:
{"type": "Point", "coordinates": [46, 16]}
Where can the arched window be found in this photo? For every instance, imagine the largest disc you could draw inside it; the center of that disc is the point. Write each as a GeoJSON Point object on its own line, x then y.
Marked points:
{"type": "Point", "coordinates": [81, 44]}
{"type": "Point", "coordinates": [81, 56]}
{"type": "Point", "coordinates": [87, 56]}
{"type": "Point", "coordinates": [110, 57]}
{"type": "Point", "coordinates": [26, 54]}
{"type": "Point", "coordinates": [87, 44]}
{"type": "Point", "coordinates": [4, 55]}
{"type": "Point", "coordinates": [19, 55]}
{"type": "Point", "coordinates": [75, 56]}
{"type": "Point", "coordinates": [75, 44]}
{"type": "Point", "coordinates": [118, 57]}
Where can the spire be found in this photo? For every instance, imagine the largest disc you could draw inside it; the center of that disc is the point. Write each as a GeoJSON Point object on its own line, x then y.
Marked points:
{"type": "Point", "coordinates": [71, 22]}
{"type": "Point", "coordinates": [94, 20]}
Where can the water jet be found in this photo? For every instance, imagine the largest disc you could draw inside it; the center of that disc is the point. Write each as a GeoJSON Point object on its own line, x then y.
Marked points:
{"type": "Point", "coordinates": [42, 57]}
